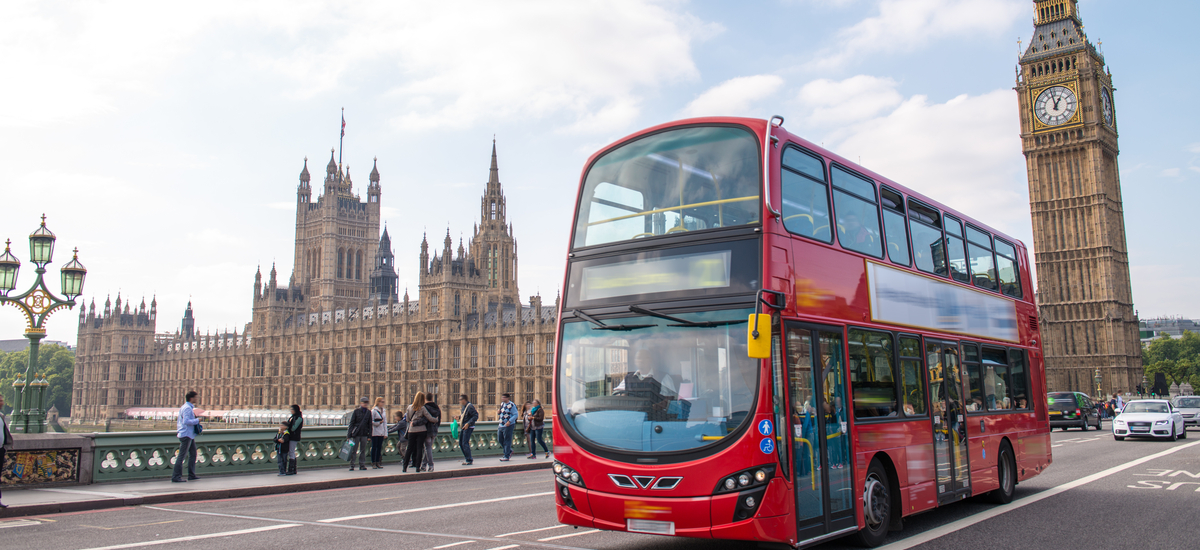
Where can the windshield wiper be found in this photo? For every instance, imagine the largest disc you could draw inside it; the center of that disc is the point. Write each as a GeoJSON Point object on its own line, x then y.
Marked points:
{"type": "Point", "coordinates": [601, 326]}
{"type": "Point", "coordinates": [684, 322]}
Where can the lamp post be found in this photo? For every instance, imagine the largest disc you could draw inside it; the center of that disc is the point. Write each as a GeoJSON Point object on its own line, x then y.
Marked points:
{"type": "Point", "coordinates": [37, 303]}
{"type": "Point", "coordinates": [1145, 384]}
{"type": "Point", "coordinates": [1098, 378]}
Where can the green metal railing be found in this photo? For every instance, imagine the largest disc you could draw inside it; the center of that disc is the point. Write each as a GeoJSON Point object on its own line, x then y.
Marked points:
{"type": "Point", "coordinates": [148, 455]}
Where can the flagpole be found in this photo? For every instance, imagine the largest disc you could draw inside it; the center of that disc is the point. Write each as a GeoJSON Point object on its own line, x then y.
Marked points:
{"type": "Point", "coordinates": [342, 138]}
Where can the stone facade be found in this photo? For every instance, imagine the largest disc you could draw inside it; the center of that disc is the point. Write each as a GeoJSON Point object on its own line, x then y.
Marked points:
{"type": "Point", "coordinates": [1069, 137]}
{"type": "Point", "coordinates": [338, 331]}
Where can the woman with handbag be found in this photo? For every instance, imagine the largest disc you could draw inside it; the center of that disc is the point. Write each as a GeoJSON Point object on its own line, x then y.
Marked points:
{"type": "Point", "coordinates": [379, 431]}
{"type": "Point", "coordinates": [418, 419]}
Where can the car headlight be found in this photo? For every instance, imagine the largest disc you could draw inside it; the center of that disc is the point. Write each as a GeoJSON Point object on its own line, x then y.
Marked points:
{"type": "Point", "coordinates": [1119, 422]}
{"type": "Point", "coordinates": [1161, 422]}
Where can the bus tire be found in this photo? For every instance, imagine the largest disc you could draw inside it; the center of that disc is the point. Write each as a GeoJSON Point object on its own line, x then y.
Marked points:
{"type": "Point", "coordinates": [1006, 470]}
{"type": "Point", "coordinates": [877, 507]}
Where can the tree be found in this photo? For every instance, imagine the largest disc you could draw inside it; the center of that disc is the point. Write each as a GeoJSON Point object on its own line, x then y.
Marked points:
{"type": "Point", "coordinates": [55, 362]}
{"type": "Point", "coordinates": [1178, 360]}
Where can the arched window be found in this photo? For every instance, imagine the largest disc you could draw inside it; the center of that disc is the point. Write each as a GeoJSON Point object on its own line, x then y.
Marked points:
{"type": "Point", "coordinates": [341, 263]}
{"type": "Point", "coordinates": [358, 265]}
{"type": "Point", "coordinates": [493, 210]}
{"type": "Point", "coordinates": [433, 303]}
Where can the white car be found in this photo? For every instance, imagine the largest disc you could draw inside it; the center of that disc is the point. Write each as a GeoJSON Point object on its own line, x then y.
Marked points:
{"type": "Point", "coordinates": [1149, 418]}
{"type": "Point", "coordinates": [1189, 407]}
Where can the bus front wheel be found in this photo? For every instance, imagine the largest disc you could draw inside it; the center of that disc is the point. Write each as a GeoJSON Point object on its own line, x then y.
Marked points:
{"type": "Point", "coordinates": [1006, 469]}
{"type": "Point", "coordinates": [877, 507]}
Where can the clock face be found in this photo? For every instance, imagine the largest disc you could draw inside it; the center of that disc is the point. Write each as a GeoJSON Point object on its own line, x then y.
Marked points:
{"type": "Point", "coordinates": [1106, 106]}
{"type": "Point", "coordinates": [1055, 105]}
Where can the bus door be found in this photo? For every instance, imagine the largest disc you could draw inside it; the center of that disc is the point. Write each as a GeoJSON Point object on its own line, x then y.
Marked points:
{"type": "Point", "coordinates": [821, 458]}
{"type": "Point", "coordinates": [949, 422]}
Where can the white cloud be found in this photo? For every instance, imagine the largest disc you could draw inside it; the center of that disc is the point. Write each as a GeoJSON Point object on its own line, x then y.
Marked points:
{"type": "Point", "coordinates": [1194, 148]}
{"type": "Point", "coordinates": [849, 100]}
{"type": "Point", "coordinates": [734, 97]}
{"type": "Point", "coordinates": [1169, 173]}
{"type": "Point", "coordinates": [904, 25]}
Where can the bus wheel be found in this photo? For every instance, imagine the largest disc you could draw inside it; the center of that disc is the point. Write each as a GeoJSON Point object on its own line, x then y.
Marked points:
{"type": "Point", "coordinates": [1006, 469]}
{"type": "Point", "coordinates": [877, 507]}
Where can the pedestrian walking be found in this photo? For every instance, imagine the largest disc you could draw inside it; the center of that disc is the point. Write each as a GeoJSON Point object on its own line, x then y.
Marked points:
{"type": "Point", "coordinates": [5, 443]}
{"type": "Point", "coordinates": [1120, 403]}
{"type": "Point", "coordinates": [527, 427]}
{"type": "Point", "coordinates": [467, 418]}
{"type": "Point", "coordinates": [400, 428]}
{"type": "Point", "coordinates": [295, 426]}
{"type": "Point", "coordinates": [535, 428]}
{"type": "Point", "coordinates": [431, 429]}
{"type": "Point", "coordinates": [379, 431]}
{"type": "Point", "coordinates": [282, 440]}
{"type": "Point", "coordinates": [417, 418]}
{"type": "Point", "coordinates": [359, 431]}
{"type": "Point", "coordinates": [187, 427]}
{"type": "Point", "coordinates": [507, 416]}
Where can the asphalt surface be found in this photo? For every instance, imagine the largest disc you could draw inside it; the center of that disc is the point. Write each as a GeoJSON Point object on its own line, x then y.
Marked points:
{"type": "Point", "coordinates": [1099, 493]}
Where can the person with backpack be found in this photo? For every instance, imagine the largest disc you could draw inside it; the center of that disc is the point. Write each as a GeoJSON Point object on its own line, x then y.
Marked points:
{"type": "Point", "coordinates": [295, 427]}
{"type": "Point", "coordinates": [379, 431]}
{"type": "Point", "coordinates": [417, 418]}
{"type": "Point", "coordinates": [281, 446]}
{"type": "Point", "coordinates": [431, 430]}
{"type": "Point", "coordinates": [535, 429]}
{"type": "Point", "coordinates": [359, 431]}
{"type": "Point", "coordinates": [468, 417]}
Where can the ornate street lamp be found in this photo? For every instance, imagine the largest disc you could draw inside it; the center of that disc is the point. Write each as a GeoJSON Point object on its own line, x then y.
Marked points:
{"type": "Point", "coordinates": [1098, 378]}
{"type": "Point", "coordinates": [37, 303]}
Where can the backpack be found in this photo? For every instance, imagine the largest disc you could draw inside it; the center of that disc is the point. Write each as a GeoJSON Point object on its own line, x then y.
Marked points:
{"type": "Point", "coordinates": [420, 420]}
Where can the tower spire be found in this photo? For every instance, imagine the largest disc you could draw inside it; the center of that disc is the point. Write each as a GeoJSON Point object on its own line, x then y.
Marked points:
{"type": "Point", "coordinates": [494, 175]}
{"type": "Point", "coordinates": [342, 137]}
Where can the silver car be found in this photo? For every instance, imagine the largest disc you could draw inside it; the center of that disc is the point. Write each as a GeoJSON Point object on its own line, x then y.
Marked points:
{"type": "Point", "coordinates": [1149, 418]}
{"type": "Point", "coordinates": [1189, 407]}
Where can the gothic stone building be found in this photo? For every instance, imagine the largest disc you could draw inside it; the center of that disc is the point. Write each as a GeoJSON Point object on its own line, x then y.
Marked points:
{"type": "Point", "coordinates": [1069, 137]}
{"type": "Point", "coordinates": [338, 330]}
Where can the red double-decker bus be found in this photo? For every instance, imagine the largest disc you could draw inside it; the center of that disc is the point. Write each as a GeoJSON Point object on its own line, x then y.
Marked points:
{"type": "Point", "coordinates": [761, 340]}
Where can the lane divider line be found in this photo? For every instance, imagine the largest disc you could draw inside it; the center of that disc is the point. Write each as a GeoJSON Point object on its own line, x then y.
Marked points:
{"type": "Point", "coordinates": [429, 508]}
{"type": "Point", "coordinates": [922, 538]}
{"type": "Point", "coordinates": [569, 535]}
{"type": "Point", "coordinates": [532, 531]}
{"type": "Point", "coordinates": [365, 528]}
{"type": "Point", "coordinates": [504, 547]}
{"type": "Point", "coordinates": [196, 537]}
{"type": "Point", "coordinates": [453, 544]}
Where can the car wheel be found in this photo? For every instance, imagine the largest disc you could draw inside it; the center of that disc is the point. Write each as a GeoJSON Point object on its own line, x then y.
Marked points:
{"type": "Point", "coordinates": [877, 507]}
{"type": "Point", "coordinates": [1173, 435]}
{"type": "Point", "coordinates": [1006, 469]}
{"type": "Point", "coordinates": [1098, 424]}
{"type": "Point", "coordinates": [1183, 432]}
{"type": "Point", "coordinates": [1083, 424]}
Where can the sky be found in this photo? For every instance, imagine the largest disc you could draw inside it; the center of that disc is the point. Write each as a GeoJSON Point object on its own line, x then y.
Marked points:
{"type": "Point", "coordinates": [165, 140]}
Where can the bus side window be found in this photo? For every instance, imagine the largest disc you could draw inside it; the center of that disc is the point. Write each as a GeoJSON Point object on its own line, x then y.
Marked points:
{"type": "Point", "coordinates": [956, 248]}
{"type": "Point", "coordinates": [857, 212]}
{"type": "Point", "coordinates": [912, 380]}
{"type": "Point", "coordinates": [895, 232]}
{"type": "Point", "coordinates": [979, 246]}
{"type": "Point", "coordinates": [926, 231]}
{"type": "Point", "coordinates": [872, 375]}
{"type": "Point", "coordinates": [976, 396]}
{"type": "Point", "coordinates": [996, 380]}
{"type": "Point", "coordinates": [1018, 379]}
{"type": "Point", "coordinates": [805, 195]}
{"type": "Point", "coordinates": [1006, 269]}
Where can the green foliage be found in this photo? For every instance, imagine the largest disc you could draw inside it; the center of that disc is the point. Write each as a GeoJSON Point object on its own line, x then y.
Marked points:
{"type": "Point", "coordinates": [55, 362]}
{"type": "Point", "coordinates": [1178, 360]}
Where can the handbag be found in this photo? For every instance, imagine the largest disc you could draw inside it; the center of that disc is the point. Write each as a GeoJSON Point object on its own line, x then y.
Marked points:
{"type": "Point", "coordinates": [347, 450]}
{"type": "Point", "coordinates": [199, 429]}
{"type": "Point", "coordinates": [454, 428]}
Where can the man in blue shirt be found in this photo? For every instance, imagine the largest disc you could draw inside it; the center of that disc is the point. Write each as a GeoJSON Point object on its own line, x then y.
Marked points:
{"type": "Point", "coordinates": [185, 430]}
{"type": "Point", "coordinates": [508, 422]}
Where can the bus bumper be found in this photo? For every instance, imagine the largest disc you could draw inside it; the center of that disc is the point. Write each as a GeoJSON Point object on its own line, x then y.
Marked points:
{"type": "Point", "coordinates": [697, 517]}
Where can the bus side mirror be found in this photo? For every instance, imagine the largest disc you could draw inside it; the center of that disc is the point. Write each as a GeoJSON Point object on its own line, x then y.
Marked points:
{"type": "Point", "coordinates": [758, 336]}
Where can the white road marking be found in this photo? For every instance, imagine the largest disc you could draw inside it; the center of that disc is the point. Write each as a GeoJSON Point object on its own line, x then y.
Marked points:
{"type": "Point", "coordinates": [569, 535]}
{"type": "Point", "coordinates": [363, 528]}
{"type": "Point", "coordinates": [952, 527]}
{"type": "Point", "coordinates": [429, 508]}
{"type": "Point", "coordinates": [532, 531]}
{"type": "Point", "coordinates": [453, 544]}
{"type": "Point", "coordinates": [197, 537]}
{"type": "Point", "coordinates": [18, 523]}
{"type": "Point", "coordinates": [504, 547]}
{"type": "Point", "coordinates": [1059, 445]}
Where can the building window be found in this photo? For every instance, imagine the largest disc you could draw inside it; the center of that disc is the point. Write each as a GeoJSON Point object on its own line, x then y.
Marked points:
{"type": "Point", "coordinates": [491, 390]}
{"type": "Point", "coordinates": [509, 360]}
{"type": "Point", "coordinates": [529, 353]}
{"type": "Point", "coordinates": [312, 364]}
{"type": "Point", "coordinates": [491, 354]}
{"type": "Point", "coordinates": [433, 304]}
{"type": "Point", "coordinates": [324, 367]}
{"type": "Point", "coordinates": [358, 265]}
{"type": "Point", "coordinates": [258, 366]}
{"type": "Point", "coordinates": [456, 304]}
{"type": "Point", "coordinates": [382, 361]}
{"type": "Point", "coordinates": [431, 358]}
{"type": "Point", "coordinates": [549, 351]}
{"type": "Point", "coordinates": [340, 262]}
{"type": "Point", "coordinates": [414, 358]}
{"type": "Point", "coordinates": [456, 352]}
{"type": "Point", "coordinates": [124, 344]}
{"type": "Point", "coordinates": [121, 373]}
{"type": "Point", "coordinates": [366, 361]}
{"type": "Point", "coordinates": [142, 345]}
{"type": "Point", "coordinates": [258, 396]}
{"type": "Point", "coordinates": [397, 395]}
{"type": "Point", "coordinates": [120, 397]}
{"type": "Point", "coordinates": [137, 373]}
{"type": "Point", "coordinates": [137, 397]}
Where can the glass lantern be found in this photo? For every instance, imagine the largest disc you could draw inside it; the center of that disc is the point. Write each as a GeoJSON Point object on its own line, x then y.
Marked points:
{"type": "Point", "coordinates": [72, 277]}
{"type": "Point", "coordinates": [41, 244]}
{"type": "Point", "coordinates": [9, 265]}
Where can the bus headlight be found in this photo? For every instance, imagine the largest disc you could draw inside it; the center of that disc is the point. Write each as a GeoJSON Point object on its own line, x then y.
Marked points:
{"type": "Point", "coordinates": [566, 474]}
{"type": "Point", "coordinates": [745, 480]}
{"type": "Point", "coordinates": [730, 484]}
{"type": "Point", "coordinates": [760, 476]}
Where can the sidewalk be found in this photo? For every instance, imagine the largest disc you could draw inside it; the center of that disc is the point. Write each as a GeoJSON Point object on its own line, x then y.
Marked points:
{"type": "Point", "coordinates": [74, 498]}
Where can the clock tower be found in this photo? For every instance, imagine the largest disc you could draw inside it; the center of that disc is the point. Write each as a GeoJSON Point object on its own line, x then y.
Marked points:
{"type": "Point", "coordinates": [1069, 138]}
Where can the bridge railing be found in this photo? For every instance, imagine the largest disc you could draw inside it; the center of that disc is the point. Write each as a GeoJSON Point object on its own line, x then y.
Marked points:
{"type": "Point", "coordinates": [148, 455]}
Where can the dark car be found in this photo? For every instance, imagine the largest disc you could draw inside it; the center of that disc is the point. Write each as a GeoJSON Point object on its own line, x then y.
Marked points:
{"type": "Point", "coordinates": [1072, 409]}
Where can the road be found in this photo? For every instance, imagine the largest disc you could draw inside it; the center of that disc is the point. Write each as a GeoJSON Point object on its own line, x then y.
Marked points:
{"type": "Point", "coordinates": [1099, 493]}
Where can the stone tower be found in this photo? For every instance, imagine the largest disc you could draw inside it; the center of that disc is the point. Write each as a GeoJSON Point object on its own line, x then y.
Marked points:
{"type": "Point", "coordinates": [383, 278]}
{"type": "Point", "coordinates": [1069, 137]}
{"type": "Point", "coordinates": [335, 239]}
{"type": "Point", "coordinates": [493, 245]}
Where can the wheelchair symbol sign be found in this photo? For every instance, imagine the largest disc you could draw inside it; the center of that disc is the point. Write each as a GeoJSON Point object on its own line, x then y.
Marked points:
{"type": "Point", "coordinates": [765, 427]}
{"type": "Point", "coordinates": [767, 446]}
